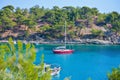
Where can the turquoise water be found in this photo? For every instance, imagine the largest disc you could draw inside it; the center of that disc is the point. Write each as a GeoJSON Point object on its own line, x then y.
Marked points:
{"type": "Point", "coordinates": [88, 61]}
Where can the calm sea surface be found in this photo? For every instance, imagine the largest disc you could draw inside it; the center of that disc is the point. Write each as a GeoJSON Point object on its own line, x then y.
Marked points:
{"type": "Point", "coordinates": [88, 61]}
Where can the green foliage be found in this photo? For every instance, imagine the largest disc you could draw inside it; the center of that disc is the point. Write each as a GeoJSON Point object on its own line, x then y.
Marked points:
{"type": "Point", "coordinates": [20, 19]}
{"type": "Point", "coordinates": [116, 27]}
{"type": "Point", "coordinates": [27, 34]}
{"type": "Point", "coordinates": [97, 32]}
{"type": "Point", "coordinates": [36, 16]}
{"type": "Point", "coordinates": [16, 63]}
{"type": "Point", "coordinates": [44, 28]}
{"type": "Point", "coordinates": [9, 7]}
{"type": "Point", "coordinates": [101, 19]}
{"type": "Point", "coordinates": [111, 17]}
{"type": "Point", "coordinates": [7, 22]}
{"type": "Point", "coordinates": [114, 19]}
{"type": "Point", "coordinates": [29, 23]}
{"type": "Point", "coordinates": [12, 47]}
{"type": "Point", "coordinates": [37, 12]}
{"type": "Point", "coordinates": [115, 75]}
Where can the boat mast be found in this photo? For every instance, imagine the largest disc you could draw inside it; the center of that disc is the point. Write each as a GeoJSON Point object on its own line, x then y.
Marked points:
{"type": "Point", "coordinates": [65, 34]}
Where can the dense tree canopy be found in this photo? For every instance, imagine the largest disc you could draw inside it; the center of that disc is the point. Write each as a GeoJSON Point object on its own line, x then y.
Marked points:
{"type": "Point", "coordinates": [76, 17]}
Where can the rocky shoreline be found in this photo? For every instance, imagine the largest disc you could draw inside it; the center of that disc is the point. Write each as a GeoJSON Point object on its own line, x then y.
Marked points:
{"type": "Point", "coordinates": [77, 41]}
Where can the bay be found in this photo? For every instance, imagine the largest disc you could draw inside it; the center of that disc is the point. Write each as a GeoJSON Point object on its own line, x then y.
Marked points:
{"type": "Point", "coordinates": [88, 61]}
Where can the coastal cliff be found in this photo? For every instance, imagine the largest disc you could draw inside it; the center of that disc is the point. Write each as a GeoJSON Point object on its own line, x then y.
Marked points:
{"type": "Point", "coordinates": [84, 25]}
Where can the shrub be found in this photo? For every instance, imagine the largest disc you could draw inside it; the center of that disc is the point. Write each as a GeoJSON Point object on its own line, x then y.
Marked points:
{"type": "Point", "coordinates": [115, 74]}
{"type": "Point", "coordinates": [16, 63]}
{"type": "Point", "coordinates": [97, 32]}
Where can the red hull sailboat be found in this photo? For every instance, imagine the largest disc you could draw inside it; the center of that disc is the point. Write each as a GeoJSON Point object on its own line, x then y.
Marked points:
{"type": "Point", "coordinates": [66, 51]}
{"type": "Point", "coordinates": [63, 49]}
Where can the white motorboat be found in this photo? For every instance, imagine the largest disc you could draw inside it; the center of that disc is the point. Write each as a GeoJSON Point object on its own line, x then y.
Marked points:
{"type": "Point", "coordinates": [54, 70]}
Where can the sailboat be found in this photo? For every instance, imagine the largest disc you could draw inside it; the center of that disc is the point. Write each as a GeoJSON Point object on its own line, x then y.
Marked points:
{"type": "Point", "coordinates": [63, 49]}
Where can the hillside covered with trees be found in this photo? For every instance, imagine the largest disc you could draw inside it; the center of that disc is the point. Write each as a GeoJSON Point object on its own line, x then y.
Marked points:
{"type": "Point", "coordinates": [39, 23]}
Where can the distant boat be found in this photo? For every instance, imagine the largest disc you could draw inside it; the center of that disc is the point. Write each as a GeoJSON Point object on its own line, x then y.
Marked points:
{"type": "Point", "coordinates": [54, 71]}
{"type": "Point", "coordinates": [63, 49]}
